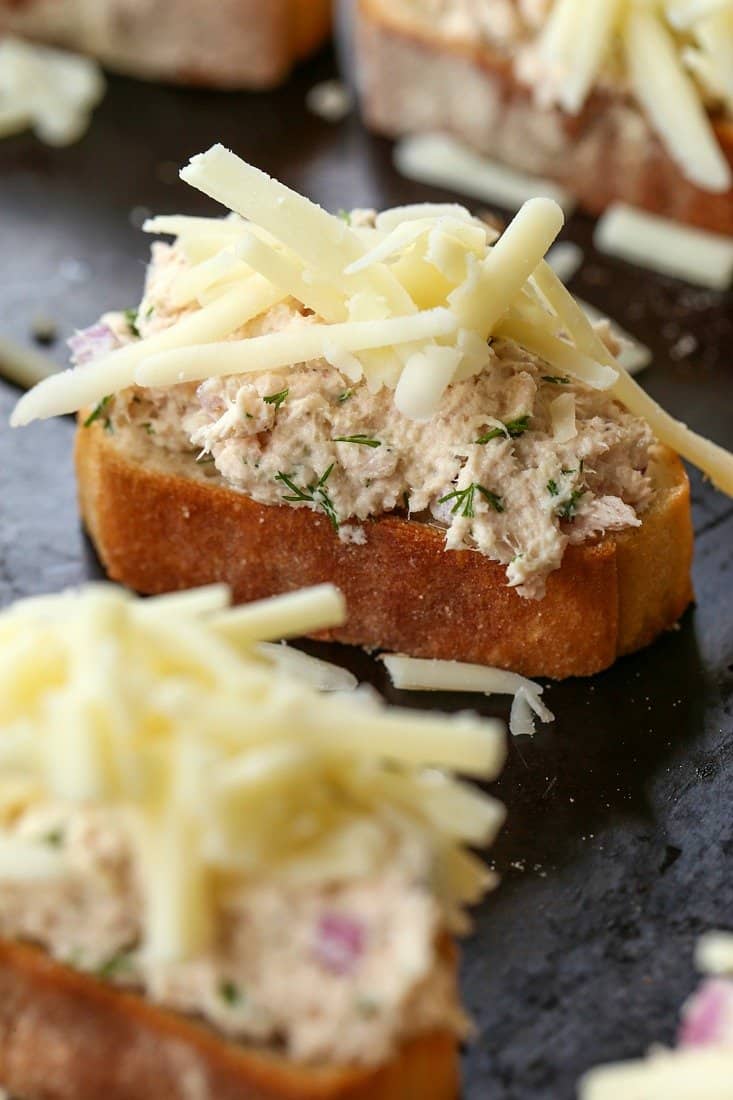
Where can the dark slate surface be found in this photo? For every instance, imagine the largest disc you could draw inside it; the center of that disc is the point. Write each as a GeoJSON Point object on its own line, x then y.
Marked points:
{"type": "Point", "coordinates": [619, 844]}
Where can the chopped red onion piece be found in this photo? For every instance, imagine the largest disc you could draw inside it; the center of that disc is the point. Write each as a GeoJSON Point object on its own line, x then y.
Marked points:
{"type": "Point", "coordinates": [92, 343]}
{"type": "Point", "coordinates": [340, 942]}
{"type": "Point", "coordinates": [708, 1016]}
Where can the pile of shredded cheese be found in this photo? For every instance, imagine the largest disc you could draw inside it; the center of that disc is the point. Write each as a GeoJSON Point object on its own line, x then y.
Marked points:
{"type": "Point", "coordinates": [178, 711]}
{"type": "Point", "coordinates": [409, 303]}
{"type": "Point", "coordinates": [49, 91]}
{"type": "Point", "coordinates": [677, 56]}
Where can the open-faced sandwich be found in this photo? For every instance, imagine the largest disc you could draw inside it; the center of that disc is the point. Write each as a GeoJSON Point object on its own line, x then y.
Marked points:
{"type": "Point", "coordinates": [618, 100]}
{"type": "Point", "coordinates": [215, 881]}
{"type": "Point", "coordinates": [701, 1065]}
{"type": "Point", "coordinates": [225, 44]}
{"type": "Point", "coordinates": [401, 404]}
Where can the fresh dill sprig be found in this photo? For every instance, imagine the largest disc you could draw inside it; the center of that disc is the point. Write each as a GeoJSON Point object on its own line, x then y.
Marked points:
{"type": "Point", "coordinates": [276, 399]}
{"type": "Point", "coordinates": [511, 429]}
{"type": "Point", "coordinates": [552, 488]}
{"type": "Point", "coordinates": [99, 414]}
{"type": "Point", "coordinates": [361, 439]}
{"type": "Point", "coordinates": [131, 318]}
{"type": "Point", "coordinates": [115, 966]}
{"type": "Point", "coordinates": [312, 494]}
{"type": "Point", "coordinates": [465, 500]}
{"type": "Point", "coordinates": [556, 379]}
{"type": "Point", "coordinates": [230, 992]}
{"type": "Point", "coordinates": [568, 509]}
{"type": "Point", "coordinates": [344, 396]}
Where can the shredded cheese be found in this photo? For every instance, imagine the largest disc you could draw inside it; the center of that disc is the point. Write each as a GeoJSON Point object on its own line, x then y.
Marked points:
{"type": "Point", "coordinates": [410, 303]}
{"type": "Point", "coordinates": [23, 366]}
{"type": "Point", "coordinates": [419, 674]}
{"type": "Point", "coordinates": [714, 953]}
{"type": "Point", "coordinates": [702, 1073]}
{"type": "Point", "coordinates": [442, 161]}
{"type": "Point", "coordinates": [562, 414]}
{"type": "Point", "coordinates": [182, 714]}
{"type": "Point", "coordinates": [665, 246]}
{"type": "Point", "coordinates": [48, 90]}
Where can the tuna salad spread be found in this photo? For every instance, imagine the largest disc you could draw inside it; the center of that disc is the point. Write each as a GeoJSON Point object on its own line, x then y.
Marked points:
{"type": "Point", "coordinates": [487, 467]}
{"type": "Point", "coordinates": [337, 974]}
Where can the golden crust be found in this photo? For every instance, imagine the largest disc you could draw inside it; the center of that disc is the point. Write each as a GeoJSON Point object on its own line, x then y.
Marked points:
{"type": "Point", "coordinates": [608, 153]}
{"type": "Point", "coordinates": [66, 1036]}
{"type": "Point", "coordinates": [159, 527]}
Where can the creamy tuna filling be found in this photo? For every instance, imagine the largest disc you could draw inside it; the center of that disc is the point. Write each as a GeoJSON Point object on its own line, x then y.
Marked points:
{"type": "Point", "coordinates": [487, 467]}
{"type": "Point", "coordinates": [339, 975]}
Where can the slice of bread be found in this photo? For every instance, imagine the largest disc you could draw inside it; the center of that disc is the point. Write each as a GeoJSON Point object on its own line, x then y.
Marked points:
{"type": "Point", "coordinates": [228, 44]}
{"type": "Point", "coordinates": [161, 522]}
{"type": "Point", "coordinates": [412, 79]}
{"type": "Point", "coordinates": [66, 1036]}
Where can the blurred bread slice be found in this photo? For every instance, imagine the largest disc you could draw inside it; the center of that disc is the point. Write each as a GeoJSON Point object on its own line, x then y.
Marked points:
{"type": "Point", "coordinates": [219, 44]}
{"type": "Point", "coordinates": [412, 79]}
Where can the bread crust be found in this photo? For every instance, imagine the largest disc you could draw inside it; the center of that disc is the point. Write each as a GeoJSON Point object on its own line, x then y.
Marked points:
{"type": "Point", "coordinates": [159, 527]}
{"type": "Point", "coordinates": [228, 44]}
{"type": "Point", "coordinates": [608, 153]}
{"type": "Point", "coordinates": [66, 1036]}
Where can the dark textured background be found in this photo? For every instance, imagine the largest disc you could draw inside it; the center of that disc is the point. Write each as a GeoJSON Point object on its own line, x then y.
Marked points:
{"type": "Point", "coordinates": [619, 844]}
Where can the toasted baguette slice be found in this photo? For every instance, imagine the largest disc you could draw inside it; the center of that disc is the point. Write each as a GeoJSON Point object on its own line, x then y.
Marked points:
{"type": "Point", "coordinates": [66, 1036]}
{"type": "Point", "coordinates": [160, 524]}
{"type": "Point", "coordinates": [228, 44]}
{"type": "Point", "coordinates": [412, 80]}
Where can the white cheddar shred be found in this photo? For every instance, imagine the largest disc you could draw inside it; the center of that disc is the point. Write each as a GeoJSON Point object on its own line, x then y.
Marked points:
{"type": "Point", "coordinates": [664, 246]}
{"type": "Point", "coordinates": [419, 674]}
{"type": "Point", "coordinates": [443, 161]}
{"type": "Point", "coordinates": [48, 90]}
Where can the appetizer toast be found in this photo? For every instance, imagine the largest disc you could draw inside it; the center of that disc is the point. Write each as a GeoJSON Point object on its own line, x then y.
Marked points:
{"type": "Point", "coordinates": [229, 44]}
{"type": "Point", "coordinates": [404, 403]}
{"type": "Point", "coordinates": [216, 880]}
{"type": "Point", "coordinates": [636, 110]}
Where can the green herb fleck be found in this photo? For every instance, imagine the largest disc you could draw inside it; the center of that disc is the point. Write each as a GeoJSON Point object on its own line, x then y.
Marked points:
{"type": "Point", "coordinates": [345, 396]}
{"type": "Point", "coordinates": [552, 488]}
{"type": "Point", "coordinates": [54, 838]}
{"type": "Point", "coordinates": [569, 508]}
{"type": "Point", "coordinates": [99, 413]}
{"type": "Point", "coordinates": [115, 966]}
{"type": "Point", "coordinates": [229, 992]}
{"type": "Point", "coordinates": [131, 318]}
{"type": "Point", "coordinates": [204, 459]}
{"type": "Point", "coordinates": [465, 498]}
{"type": "Point", "coordinates": [556, 379]}
{"type": "Point", "coordinates": [148, 428]}
{"type": "Point", "coordinates": [367, 1006]}
{"type": "Point", "coordinates": [312, 494]}
{"type": "Point", "coordinates": [362, 440]}
{"type": "Point", "coordinates": [276, 399]}
{"type": "Point", "coordinates": [566, 472]}
{"type": "Point", "coordinates": [345, 216]}
{"type": "Point", "coordinates": [149, 312]}
{"type": "Point", "coordinates": [512, 429]}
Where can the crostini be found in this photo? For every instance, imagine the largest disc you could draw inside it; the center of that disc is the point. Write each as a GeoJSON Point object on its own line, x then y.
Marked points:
{"type": "Point", "coordinates": [403, 404]}
{"type": "Point", "coordinates": [216, 880]}
{"type": "Point", "coordinates": [618, 102]}
{"type": "Point", "coordinates": [228, 44]}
